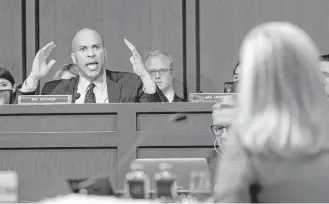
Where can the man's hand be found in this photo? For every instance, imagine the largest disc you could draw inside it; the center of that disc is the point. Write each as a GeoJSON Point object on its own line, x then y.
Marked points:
{"type": "Point", "coordinates": [140, 70]}
{"type": "Point", "coordinates": [40, 67]}
{"type": "Point", "coordinates": [136, 60]}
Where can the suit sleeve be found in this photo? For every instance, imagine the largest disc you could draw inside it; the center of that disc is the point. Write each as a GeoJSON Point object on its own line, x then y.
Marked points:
{"type": "Point", "coordinates": [234, 174]}
{"type": "Point", "coordinates": [158, 96]}
{"type": "Point", "coordinates": [19, 93]}
{"type": "Point", "coordinates": [44, 89]}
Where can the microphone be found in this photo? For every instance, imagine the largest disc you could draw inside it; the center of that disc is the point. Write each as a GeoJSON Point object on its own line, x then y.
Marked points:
{"type": "Point", "coordinates": [77, 96]}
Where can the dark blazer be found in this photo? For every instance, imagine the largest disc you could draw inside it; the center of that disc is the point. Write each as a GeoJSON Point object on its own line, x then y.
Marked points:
{"type": "Point", "coordinates": [122, 87]}
{"type": "Point", "coordinates": [242, 175]}
{"type": "Point", "coordinates": [176, 98]}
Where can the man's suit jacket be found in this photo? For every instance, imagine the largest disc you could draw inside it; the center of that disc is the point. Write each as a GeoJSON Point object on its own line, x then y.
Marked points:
{"type": "Point", "coordinates": [122, 87]}
{"type": "Point", "coordinates": [176, 98]}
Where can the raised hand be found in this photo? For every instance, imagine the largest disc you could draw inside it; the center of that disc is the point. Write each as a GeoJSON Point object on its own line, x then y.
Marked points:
{"type": "Point", "coordinates": [40, 67]}
{"type": "Point", "coordinates": [136, 60]}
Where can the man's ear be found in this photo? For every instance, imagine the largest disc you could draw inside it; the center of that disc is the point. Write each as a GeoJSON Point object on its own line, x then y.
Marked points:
{"type": "Point", "coordinates": [105, 54]}
{"type": "Point", "coordinates": [73, 58]}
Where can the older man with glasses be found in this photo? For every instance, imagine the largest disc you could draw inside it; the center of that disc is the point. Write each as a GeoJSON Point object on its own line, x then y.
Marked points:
{"type": "Point", "coordinates": [160, 67]}
{"type": "Point", "coordinates": [222, 117]}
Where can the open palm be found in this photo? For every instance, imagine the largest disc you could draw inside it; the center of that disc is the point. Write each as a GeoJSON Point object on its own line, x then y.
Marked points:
{"type": "Point", "coordinates": [40, 67]}
{"type": "Point", "coordinates": [136, 60]}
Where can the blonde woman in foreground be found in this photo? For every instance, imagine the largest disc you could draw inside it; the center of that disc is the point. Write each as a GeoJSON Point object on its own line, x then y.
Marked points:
{"type": "Point", "coordinates": [279, 139]}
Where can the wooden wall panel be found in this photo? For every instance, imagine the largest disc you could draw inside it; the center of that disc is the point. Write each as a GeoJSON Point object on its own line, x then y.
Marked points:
{"type": "Point", "coordinates": [56, 123]}
{"type": "Point", "coordinates": [11, 37]}
{"type": "Point", "coordinates": [31, 34]}
{"type": "Point", "coordinates": [149, 24]}
{"type": "Point", "coordinates": [191, 40]}
{"type": "Point", "coordinates": [163, 122]}
{"type": "Point", "coordinates": [223, 24]}
{"type": "Point", "coordinates": [86, 147]}
{"type": "Point", "coordinates": [178, 152]}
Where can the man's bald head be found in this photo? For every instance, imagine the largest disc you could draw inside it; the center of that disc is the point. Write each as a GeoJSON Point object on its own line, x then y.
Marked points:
{"type": "Point", "coordinates": [85, 33]}
{"type": "Point", "coordinates": [88, 53]}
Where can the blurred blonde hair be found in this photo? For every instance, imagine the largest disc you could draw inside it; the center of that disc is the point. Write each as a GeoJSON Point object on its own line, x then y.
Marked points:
{"type": "Point", "coordinates": [70, 68]}
{"type": "Point", "coordinates": [282, 106]}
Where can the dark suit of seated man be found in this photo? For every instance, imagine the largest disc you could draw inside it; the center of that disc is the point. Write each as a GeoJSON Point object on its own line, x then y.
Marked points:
{"type": "Point", "coordinates": [160, 67]}
{"type": "Point", "coordinates": [94, 84]}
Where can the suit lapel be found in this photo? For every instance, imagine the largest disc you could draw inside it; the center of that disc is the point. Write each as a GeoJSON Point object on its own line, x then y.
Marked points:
{"type": "Point", "coordinates": [68, 87]}
{"type": "Point", "coordinates": [113, 88]}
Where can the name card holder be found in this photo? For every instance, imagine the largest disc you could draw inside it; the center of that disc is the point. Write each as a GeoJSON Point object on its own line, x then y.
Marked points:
{"type": "Point", "coordinates": [212, 97]}
{"type": "Point", "coordinates": [44, 99]}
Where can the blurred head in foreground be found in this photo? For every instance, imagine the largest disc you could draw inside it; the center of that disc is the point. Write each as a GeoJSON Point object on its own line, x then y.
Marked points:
{"type": "Point", "coordinates": [281, 95]}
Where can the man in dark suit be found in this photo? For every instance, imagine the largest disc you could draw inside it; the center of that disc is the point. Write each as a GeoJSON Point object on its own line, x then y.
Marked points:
{"type": "Point", "coordinates": [94, 84]}
{"type": "Point", "coordinates": [160, 67]}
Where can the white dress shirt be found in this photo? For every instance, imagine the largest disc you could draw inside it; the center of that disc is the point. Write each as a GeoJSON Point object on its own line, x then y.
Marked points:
{"type": "Point", "coordinates": [170, 95]}
{"type": "Point", "coordinates": [100, 89]}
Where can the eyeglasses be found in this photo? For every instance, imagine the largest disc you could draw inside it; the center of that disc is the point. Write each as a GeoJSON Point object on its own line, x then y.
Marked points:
{"type": "Point", "coordinates": [161, 71]}
{"type": "Point", "coordinates": [218, 129]}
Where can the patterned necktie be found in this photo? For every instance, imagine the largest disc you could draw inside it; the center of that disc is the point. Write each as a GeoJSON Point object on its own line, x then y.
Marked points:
{"type": "Point", "coordinates": [90, 95]}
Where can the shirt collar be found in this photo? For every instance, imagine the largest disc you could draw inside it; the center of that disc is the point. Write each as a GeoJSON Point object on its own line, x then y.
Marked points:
{"type": "Point", "coordinates": [99, 83]}
{"type": "Point", "coordinates": [170, 94]}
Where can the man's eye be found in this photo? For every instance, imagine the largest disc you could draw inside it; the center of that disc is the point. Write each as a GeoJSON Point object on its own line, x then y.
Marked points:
{"type": "Point", "coordinates": [83, 49]}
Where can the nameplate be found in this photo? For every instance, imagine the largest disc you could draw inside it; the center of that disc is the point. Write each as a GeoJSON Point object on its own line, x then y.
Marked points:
{"type": "Point", "coordinates": [8, 187]}
{"type": "Point", "coordinates": [212, 97]}
{"type": "Point", "coordinates": [44, 99]}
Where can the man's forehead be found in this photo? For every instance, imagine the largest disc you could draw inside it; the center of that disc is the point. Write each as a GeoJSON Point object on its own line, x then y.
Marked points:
{"type": "Point", "coordinates": [223, 116]}
{"type": "Point", "coordinates": [158, 62]}
{"type": "Point", "coordinates": [87, 38]}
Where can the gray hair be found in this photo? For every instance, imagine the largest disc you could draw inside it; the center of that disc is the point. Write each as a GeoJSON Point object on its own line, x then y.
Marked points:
{"type": "Point", "coordinates": [157, 53]}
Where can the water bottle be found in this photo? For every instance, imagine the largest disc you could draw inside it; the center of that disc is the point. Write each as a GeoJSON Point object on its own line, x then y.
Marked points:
{"type": "Point", "coordinates": [165, 182]}
{"type": "Point", "coordinates": [137, 184]}
{"type": "Point", "coordinates": [200, 185]}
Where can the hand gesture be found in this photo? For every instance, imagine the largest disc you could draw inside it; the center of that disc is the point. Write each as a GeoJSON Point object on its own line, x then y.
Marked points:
{"type": "Point", "coordinates": [136, 60]}
{"type": "Point", "coordinates": [40, 67]}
